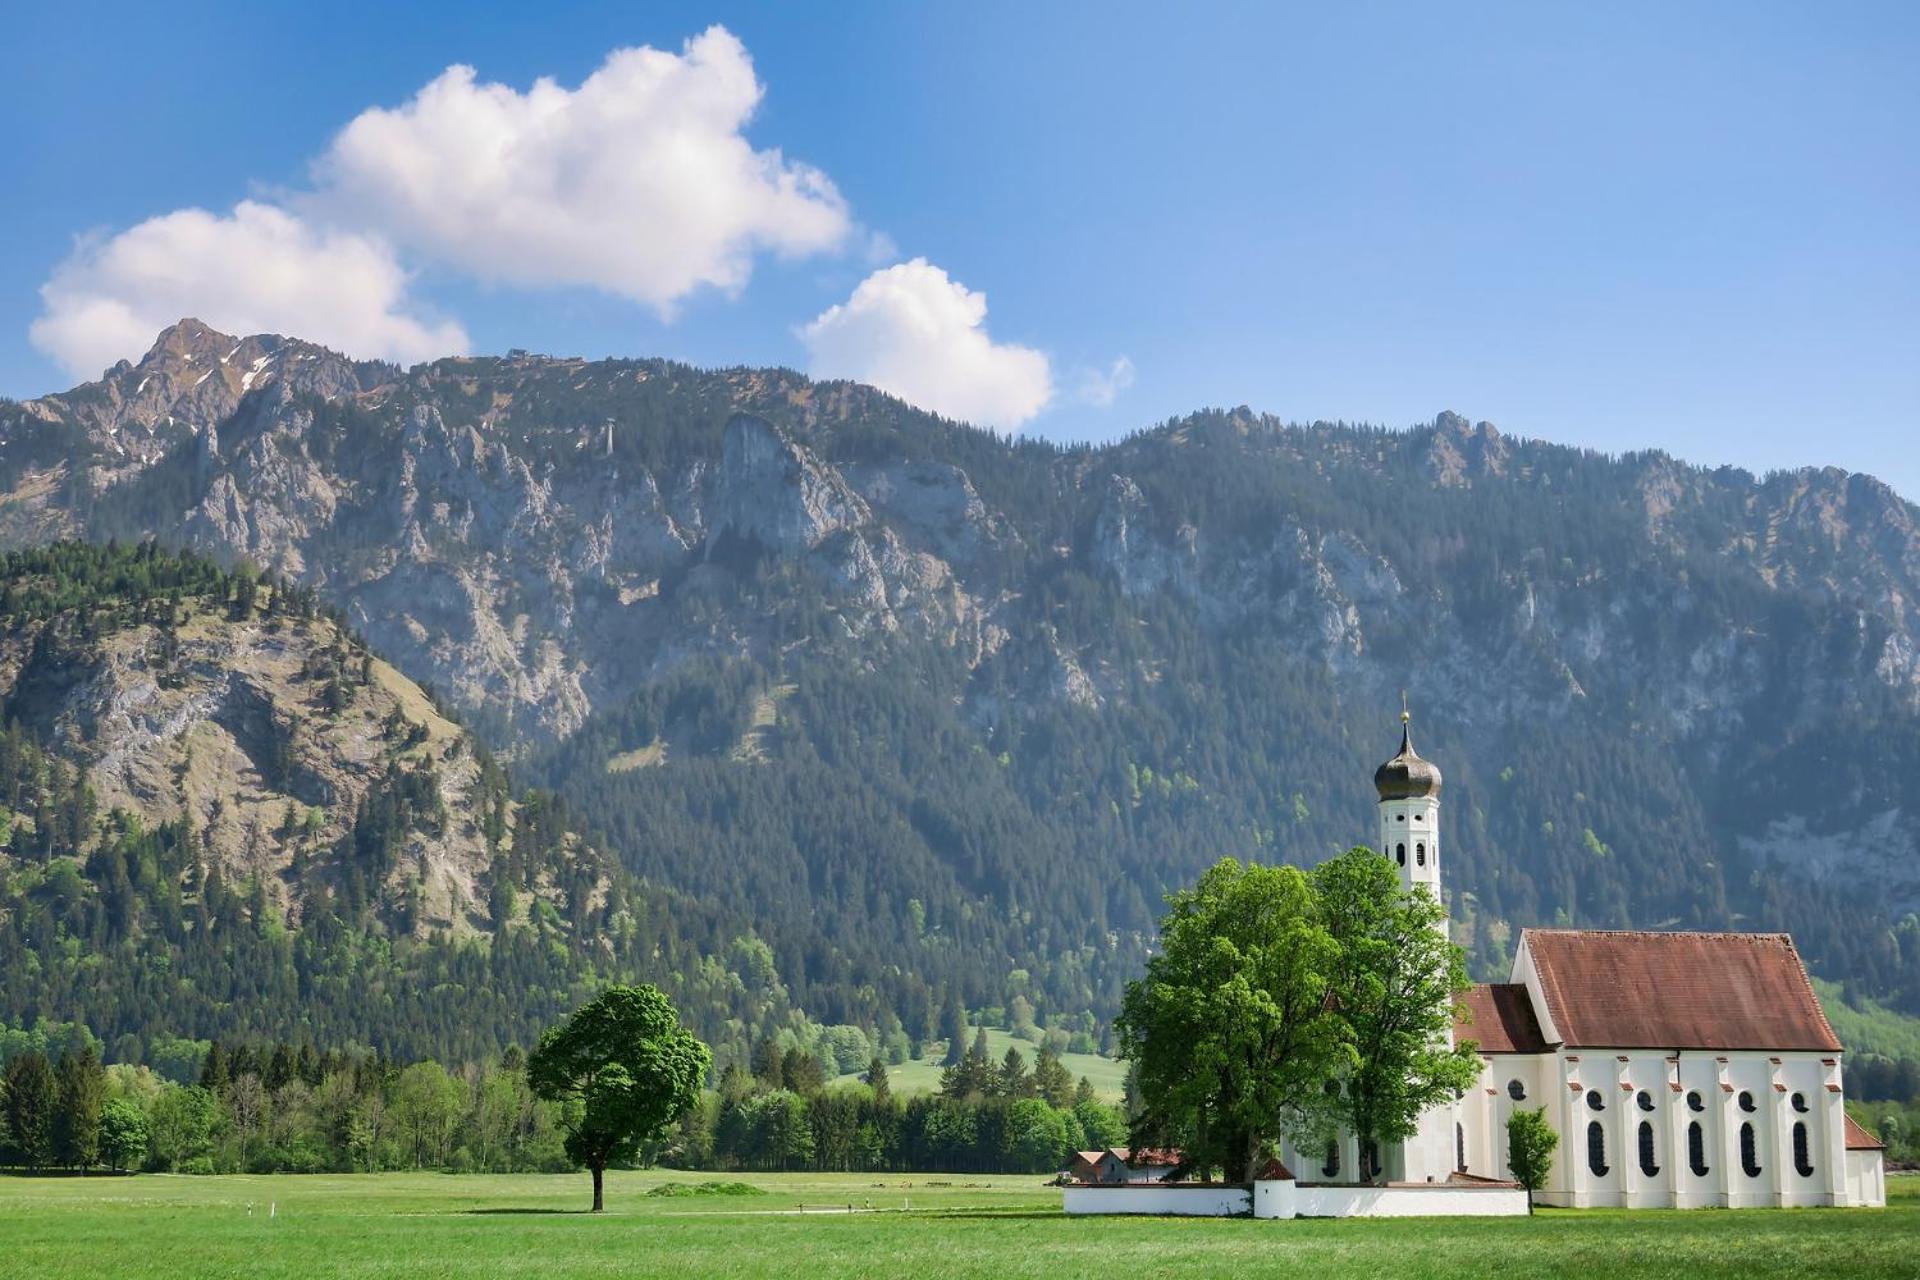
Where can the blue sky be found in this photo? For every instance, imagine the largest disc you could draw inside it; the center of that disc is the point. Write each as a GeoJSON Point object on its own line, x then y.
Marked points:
{"type": "Point", "coordinates": [1687, 227]}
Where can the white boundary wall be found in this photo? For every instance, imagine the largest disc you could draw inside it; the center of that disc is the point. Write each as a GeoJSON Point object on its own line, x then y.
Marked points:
{"type": "Point", "coordinates": [1278, 1198]}
{"type": "Point", "coordinates": [1190, 1200]}
{"type": "Point", "coordinates": [1281, 1198]}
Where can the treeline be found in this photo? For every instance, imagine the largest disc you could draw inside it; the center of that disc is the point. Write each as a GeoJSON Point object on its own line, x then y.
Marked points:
{"type": "Point", "coordinates": [279, 1109]}
{"type": "Point", "coordinates": [987, 1118]}
{"type": "Point", "coordinates": [285, 1108]}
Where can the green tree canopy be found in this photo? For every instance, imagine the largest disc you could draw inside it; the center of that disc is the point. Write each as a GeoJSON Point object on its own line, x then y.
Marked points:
{"type": "Point", "coordinates": [626, 1069]}
{"type": "Point", "coordinates": [1392, 986]}
{"type": "Point", "coordinates": [1227, 1031]}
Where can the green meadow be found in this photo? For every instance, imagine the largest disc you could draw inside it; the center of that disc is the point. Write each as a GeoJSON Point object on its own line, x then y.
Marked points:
{"type": "Point", "coordinates": [435, 1225]}
{"type": "Point", "coordinates": [916, 1076]}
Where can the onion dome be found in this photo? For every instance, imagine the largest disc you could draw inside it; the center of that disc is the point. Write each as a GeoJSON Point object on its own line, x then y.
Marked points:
{"type": "Point", "coordinates": [1407, 776]}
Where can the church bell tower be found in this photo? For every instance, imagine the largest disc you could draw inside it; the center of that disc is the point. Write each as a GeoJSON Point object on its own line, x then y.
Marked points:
{"type": "Point", "coordinates": [1409, 789]}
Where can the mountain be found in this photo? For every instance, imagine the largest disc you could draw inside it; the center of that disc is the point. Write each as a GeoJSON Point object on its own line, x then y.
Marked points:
{"type": "Point", "coordinates": [942, 713]}
{"type": "Point", "coordinates": [221, 815]}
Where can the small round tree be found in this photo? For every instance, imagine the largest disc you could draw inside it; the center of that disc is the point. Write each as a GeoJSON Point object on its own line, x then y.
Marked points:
{"type": "Point", "coordinates": [625, 1068]}
{"type": "Point", "coordinates": [1530, 1145]}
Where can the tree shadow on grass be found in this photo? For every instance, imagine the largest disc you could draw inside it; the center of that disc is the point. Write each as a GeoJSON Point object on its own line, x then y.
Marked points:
{"type": "Point", "coordinates": [543, 1212]}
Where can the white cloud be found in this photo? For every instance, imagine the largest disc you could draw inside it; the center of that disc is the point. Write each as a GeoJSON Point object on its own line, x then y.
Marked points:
{"type": "Point", "coordinates": [913, 332]}
{"type": "Point", "coordinates": [639, 182]}
{"type": "Point", "coordinates": [259, 269]}
{"type": "Point", "coordinates": [1100, 387]}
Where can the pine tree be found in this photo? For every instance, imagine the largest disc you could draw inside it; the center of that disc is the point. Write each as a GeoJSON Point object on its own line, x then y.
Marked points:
{"type": "Point", "coordinates": [76, 1118]}
{"type": "Point", "coordinates": [1013, 1081]}
{"type": "Point", "coordinates": [1051, 1080]}
{"type": "Point", "coordinates": [32, 1099]}
{"type": "Point", "coordinates": [768, 1066]}
{"type": "Point", "coordinates": [877, 1081]}
{"type": "Point", "coordinates": [953, 1025]}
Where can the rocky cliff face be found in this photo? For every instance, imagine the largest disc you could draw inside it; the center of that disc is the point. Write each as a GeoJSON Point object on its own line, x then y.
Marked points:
{"type": "Point", "coordinates": [268, 734]}
{"type": "Point", "coordinates": [541, 538]}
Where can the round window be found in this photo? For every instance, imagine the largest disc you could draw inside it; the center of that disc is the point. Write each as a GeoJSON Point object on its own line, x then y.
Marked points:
{"type": "Point", "coordinates": [1695, 1102]}
{"type": "Point", "coordinates": [1594, 1101]}
{"type": "Point", "coordinates": [1516, 1091]}
{"type": "Point", "coordinates": [1645, 1100]}
{"type": "Point", "coordinates": [1746, 1101]}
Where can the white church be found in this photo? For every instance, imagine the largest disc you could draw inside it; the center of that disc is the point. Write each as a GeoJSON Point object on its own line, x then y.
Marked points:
{"type": "Point", "coordinates": [1681, 1070]}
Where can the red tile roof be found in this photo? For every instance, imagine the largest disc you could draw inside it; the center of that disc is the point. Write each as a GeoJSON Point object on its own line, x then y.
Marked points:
{"type": "Point", "coordinates": [1500, 1018]}
{"type": "Point", "coordinates": [1636, 990]}
{"type": "Point", "coordinates": [1858, 1139]}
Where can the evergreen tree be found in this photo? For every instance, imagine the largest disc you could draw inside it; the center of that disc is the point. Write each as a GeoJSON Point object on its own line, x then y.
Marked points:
{"type": "Point", "coordinates": [1013, 1082]}
{"type": "Point", "coordinates": [876, 1079]}
{"type": "Point", "coordinates": [953, 1025]}
{"type": "Point", "coordinates": [32, 1099]}
{"type": "Point", "coordinates": [76, 1121]}
{"type": "Point", "coordinates": [1051, 1080]}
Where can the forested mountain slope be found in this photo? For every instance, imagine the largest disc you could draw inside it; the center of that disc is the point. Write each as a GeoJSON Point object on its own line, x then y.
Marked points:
{"type": "Point", "coordinates": [220, 815]}
{"type": "Point", "coordinates": [943, 713]}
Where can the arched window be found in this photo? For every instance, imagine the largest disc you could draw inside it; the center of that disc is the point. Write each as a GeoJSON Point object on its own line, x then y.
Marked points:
{"type": "Point", "coordinates": [1400, 852]}
{"type": "Point", "coordinates": [1647, 1164]}
{"type": "Point", "coordinates": [1369, 1161]}
{"type": "Point", "coordinates": [1799, 1101]}
{"type": "Point", "coordinates": [1594, 1101]}
{"type": "Point", "coordinates": [1697, 1149]}
{"type": "Point", "coordinates": [1460, 1147]}
{"type": "Point", "coordinates": [1597, 1149]}
{"type": "Point", "coordinates": [1644, 1100]}
{"type": "Point", "coordinates": [1419, 855]}
{"type": "Point", "coordinates": [1746, 1101]}
{"type": "Point", "coordinates": [1516, 1090]}
{"type": "Point", "coordinates": [1331, 1169]}
{"type": "Point", "coordinates": [1802, 1161]}
{"type": "Point", "coordinates": [1695, 1102]}
{"type": "Point", "coordinates": [1749, 1159]}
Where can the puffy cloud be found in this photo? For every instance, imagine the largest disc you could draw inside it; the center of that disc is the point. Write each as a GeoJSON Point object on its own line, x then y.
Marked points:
{"type": "Point", "coordinates": [639, 182]}
{"type": "Point", "coordinates": [912, 331]}
{"type": "Point", "coordinates": [1100, 387]}
{"type": "Point", "coordinates": [259, 269]}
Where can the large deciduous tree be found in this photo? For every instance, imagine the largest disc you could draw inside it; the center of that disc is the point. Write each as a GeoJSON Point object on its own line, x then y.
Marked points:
{"type": "Point", "coordinates": [625, 1069]}
{"type": "Point", "coordinates": [1391, 985]}
{"type": "Point", "coordinates": [1228, 1030]}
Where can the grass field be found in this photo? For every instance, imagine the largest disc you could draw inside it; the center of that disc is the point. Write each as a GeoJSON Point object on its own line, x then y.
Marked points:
{"type": "Point", "coordinates": [922, 1075]}
{"type": "Point", "coordinates": [431, 1225]}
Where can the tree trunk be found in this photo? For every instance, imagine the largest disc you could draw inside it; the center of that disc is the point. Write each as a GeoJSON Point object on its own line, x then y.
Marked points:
{"type": "Point", "coordinates": [1529, 1202]}
{"type": "Point", "coordinates": [599, 1179]}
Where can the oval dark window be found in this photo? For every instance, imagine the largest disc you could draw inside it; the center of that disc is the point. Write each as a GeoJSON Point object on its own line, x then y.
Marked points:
{"type": "Point", "coordinates": [1516, 1091]}
{"type": "Point", "coordinates": [1594, 1101]}
{"type": "Point", "coordinates": [1419, 855]}
{"type": "Point", "coordinates": [1697, 1149]}
{"type": "Point", "coordinates": [1695, 1102]}
{"type": "Point", "coordinates": [1746, 1101]}
{"type": "Point", "coordinates": [1597, 1149]}
{"type": "Point", "coordinates": [1802, 1161]}
{"type": "Point", "coordinates": [1400, 852]}
{"type": "Point", "coordinates": [1647, 1165]}
{"type": "Point", "coordinates": [1645, 1100]}
{"type": "Point", "coordinates": [1749, 1158]}
{"type": "Point", "coordinates": [1799, 1101]}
